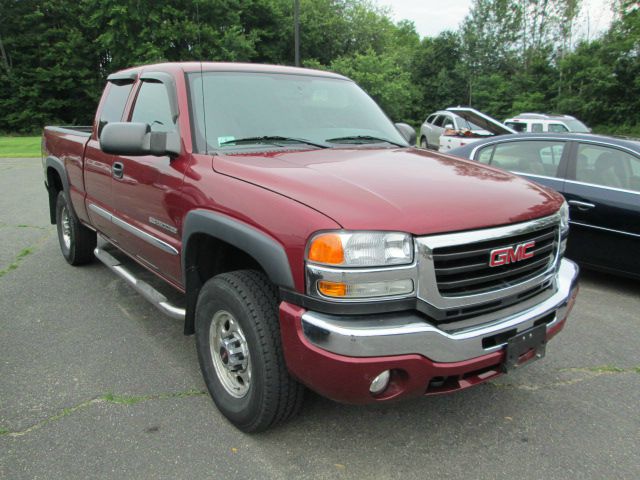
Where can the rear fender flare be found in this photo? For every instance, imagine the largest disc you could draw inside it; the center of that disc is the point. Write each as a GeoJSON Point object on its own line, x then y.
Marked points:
{"type": "Point", "coordinates": [56, 164]}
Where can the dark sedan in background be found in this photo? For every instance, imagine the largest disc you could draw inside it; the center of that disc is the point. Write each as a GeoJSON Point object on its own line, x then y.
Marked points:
{"type": "Point", "coordinates": [600, 178]}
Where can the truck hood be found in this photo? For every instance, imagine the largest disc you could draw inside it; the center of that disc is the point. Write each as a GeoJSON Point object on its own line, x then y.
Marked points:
{"type": "Point", "coordinates": [407, 190]}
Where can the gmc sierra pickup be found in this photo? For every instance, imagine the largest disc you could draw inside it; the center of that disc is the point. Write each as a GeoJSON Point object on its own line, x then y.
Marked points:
{"type": "Point", "coordinates": [310, 243]}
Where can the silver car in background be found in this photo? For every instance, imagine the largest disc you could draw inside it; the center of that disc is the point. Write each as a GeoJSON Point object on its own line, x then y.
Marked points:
{"type": "Point", "coordinates": [437, 123]}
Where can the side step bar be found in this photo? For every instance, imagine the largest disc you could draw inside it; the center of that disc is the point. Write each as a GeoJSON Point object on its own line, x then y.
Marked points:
{"type": "Point", "coordinates": [142, 287]}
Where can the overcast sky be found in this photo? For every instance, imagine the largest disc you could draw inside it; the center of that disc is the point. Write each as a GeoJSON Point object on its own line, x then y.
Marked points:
{"type": "Point", "coordinates": [434, 16]}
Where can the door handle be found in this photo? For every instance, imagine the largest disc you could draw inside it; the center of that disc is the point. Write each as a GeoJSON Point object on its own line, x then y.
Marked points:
{"type": "Point", "coordinates": [117, 170]}
{"type": "Point", "coordinates": [582, 206]}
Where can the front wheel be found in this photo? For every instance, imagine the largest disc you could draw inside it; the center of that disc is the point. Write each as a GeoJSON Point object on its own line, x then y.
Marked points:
{"type": "Point", "coordinates": [240, 351]}
{"type": "Point", "coordinates": [77, 242]}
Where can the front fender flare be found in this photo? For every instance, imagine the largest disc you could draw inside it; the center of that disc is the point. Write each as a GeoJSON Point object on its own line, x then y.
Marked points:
{"type": "Point", "coordinates": [265, 250]}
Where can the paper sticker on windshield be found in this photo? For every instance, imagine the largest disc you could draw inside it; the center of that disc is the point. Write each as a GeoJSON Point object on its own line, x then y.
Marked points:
{"type": "Point", "coordinates": [222, 141]}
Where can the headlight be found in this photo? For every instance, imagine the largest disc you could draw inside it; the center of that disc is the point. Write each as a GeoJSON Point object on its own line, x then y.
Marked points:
{"type": "Point", "coordinates": [564, 217]}
{"type": "Point", "coordinates": [361, 249]}
{"type": "Point", "coordinates": [355, 266]}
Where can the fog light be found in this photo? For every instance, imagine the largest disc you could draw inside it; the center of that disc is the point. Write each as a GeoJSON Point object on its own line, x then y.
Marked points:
{"type": "Point", "coordinates": [380, 383]}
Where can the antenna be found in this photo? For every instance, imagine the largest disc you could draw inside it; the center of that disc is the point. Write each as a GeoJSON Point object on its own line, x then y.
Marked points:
{"type": "Point", "coordinates": [296, 30]}
{"type": "Point", "coordinates": [204, 111]}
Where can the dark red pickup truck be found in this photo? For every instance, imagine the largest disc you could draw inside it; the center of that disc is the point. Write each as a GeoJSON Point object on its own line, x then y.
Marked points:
{"type": "Point", "coordinates": [310, 243]}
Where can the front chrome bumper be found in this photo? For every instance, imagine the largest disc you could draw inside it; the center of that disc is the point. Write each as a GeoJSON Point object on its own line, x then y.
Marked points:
{"type": "Point", "coordinates": [409, 333]}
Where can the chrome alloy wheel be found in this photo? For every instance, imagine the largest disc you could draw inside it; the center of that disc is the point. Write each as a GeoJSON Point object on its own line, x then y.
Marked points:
{"type": "Point", "coordinates": [230, 354]}
{"type": "Point", "coordinates": [66, 227]}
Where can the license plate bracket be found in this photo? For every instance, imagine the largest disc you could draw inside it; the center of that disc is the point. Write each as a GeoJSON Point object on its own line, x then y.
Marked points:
{"type": "Point", "coordinates": [525, 347]}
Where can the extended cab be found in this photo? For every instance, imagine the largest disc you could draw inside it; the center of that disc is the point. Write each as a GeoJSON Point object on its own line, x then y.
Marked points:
{"type": "Point", "coordinates": [309, 243]}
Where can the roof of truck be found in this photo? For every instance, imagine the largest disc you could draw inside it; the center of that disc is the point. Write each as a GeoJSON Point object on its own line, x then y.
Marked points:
{"type": "Point", "coordinates": [228, 67]}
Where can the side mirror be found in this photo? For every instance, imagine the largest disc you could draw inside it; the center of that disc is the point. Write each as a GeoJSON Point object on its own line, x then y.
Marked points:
{"type": "Point", "coordinates": [448, 126]}
{"type": "Point", "coordinates": [408, 132]}
{"type": "Point", "coordinates": [136, 139]}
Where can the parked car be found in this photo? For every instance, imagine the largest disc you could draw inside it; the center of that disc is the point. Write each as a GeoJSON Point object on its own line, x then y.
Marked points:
{"type": "Point", "coordinates": [486, 126]}
{"type": "Point", "coordinates": [600, 178]}
{"type": "Point", "coordinates": [310, 243]}
{"type": "Point", "coordinates": [436, 124]}
{"type": "Point", "coordinates": [542, 122]}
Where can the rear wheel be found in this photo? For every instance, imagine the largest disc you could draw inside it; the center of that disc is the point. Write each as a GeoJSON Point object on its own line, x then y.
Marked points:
{"type": "Point", "coordinates": [77, 242]}
{"type": "Point", "coordinates": [424, 143]}
{"type": "Point", "coordinates": [240, 351]}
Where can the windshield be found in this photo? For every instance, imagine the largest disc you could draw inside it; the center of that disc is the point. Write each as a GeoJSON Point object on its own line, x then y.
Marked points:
{"type": "Point", "coordinates": [576, 126]}
{"type": "Point", "coordinates": [230, 106]}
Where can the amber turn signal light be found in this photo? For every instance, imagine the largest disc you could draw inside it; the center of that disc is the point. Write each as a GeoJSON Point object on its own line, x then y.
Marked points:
{"type": "Point", "coordinates": [332, 289]}
{"type": "Point", "coordinates": [327, 248]}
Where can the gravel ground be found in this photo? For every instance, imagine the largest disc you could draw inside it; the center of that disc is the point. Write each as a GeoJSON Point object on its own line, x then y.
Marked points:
{"type": "Point", "coordinates": [95, 383]}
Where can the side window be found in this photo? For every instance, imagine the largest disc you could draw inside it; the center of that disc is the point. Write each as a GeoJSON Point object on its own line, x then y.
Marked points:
{"type": "Point", "coordinates": [533, 157]}
{"type": "Point", "coordinates": [152, 107]}
{"type": "Point", "coordinates": [557, 128]}
{"type": "Point", "coordinates": [430, 119]}
{"type": "Point", "coordinates": [113, 106]}
{"type": "Point", "coordinates": [439, 122]}
{"type": "Point", "coordinates": [485, 154]}
{"type": "Point", "coordinates": [608, 167]}
{"type": "Point", "coordinates": [536, 127]}
{"type": "Point", "coordinates": [448, 122]}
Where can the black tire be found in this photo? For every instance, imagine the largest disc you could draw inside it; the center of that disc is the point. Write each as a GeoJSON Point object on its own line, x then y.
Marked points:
{"type": "Point", "coordinates": [424, 143]}
{"type": "Point", "coordinates": [79, 242]}
{"type": "Point", "coordinates": [272, 395]}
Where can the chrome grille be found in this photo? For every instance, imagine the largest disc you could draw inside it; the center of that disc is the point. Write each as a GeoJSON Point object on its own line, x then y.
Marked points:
{"type": "Point", "coordinates": [465, 270]}
{"type": "Point", "coordinates": [454, 274]}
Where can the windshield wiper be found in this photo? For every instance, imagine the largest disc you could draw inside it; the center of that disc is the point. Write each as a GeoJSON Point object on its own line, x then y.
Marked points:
{"type": "Point", "coordinates": [362, 139]}
{"type": "Point", "coordinates": [271, 140]}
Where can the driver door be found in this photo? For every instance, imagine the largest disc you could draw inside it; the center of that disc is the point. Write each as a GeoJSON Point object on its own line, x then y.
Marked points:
{"type": "Point", "coordinates": [147, 189]}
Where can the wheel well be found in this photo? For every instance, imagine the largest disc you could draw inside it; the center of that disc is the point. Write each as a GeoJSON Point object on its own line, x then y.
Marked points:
{"type": "Point", "coordinates": [206, 257]}
{"type": "Point", "coordinates": [54, 187]}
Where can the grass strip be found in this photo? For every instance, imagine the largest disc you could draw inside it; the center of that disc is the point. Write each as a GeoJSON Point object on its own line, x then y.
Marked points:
{"type": "Point", "coordinates": [19, 147]}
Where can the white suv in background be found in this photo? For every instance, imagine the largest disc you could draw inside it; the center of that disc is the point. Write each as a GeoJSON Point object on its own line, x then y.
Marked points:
{"type": "Point", "coordinates": [437, 123]}
{"type": "Point", "coordinates": [541, 122]}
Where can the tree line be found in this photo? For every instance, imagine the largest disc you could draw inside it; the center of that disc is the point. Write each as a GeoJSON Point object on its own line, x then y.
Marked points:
{"type": "Point", "coordinates": [506, 57]}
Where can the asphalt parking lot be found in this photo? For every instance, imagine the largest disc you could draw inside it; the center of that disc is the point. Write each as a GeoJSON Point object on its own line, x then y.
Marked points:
{"type": "Point", "coordinates": [95, 383]}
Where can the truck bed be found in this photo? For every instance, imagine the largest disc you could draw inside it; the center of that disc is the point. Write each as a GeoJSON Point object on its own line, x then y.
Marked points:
{"type": "Point", "coordinates": [82, 130]}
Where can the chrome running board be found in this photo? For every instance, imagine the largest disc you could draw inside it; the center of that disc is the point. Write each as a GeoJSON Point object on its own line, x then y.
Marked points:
{"type": "Point", "coordinates": [140, 286]}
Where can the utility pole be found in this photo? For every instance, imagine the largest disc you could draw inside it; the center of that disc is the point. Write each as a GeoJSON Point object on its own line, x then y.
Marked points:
{"type": "Point", "coordinates": [296, 29]}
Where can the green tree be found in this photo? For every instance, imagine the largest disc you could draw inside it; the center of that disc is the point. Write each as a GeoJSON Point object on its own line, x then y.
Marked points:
{"type": "Point", "coordinates": [384, 79]}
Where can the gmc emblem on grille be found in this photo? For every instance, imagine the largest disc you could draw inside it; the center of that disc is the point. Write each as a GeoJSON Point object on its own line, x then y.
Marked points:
{"type": "Point", "coordinates": [506, 255]}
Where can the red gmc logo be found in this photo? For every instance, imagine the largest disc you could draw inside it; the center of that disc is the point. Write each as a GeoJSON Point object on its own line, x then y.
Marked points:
{"type": "Point", "coordinates": [504, 256]}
